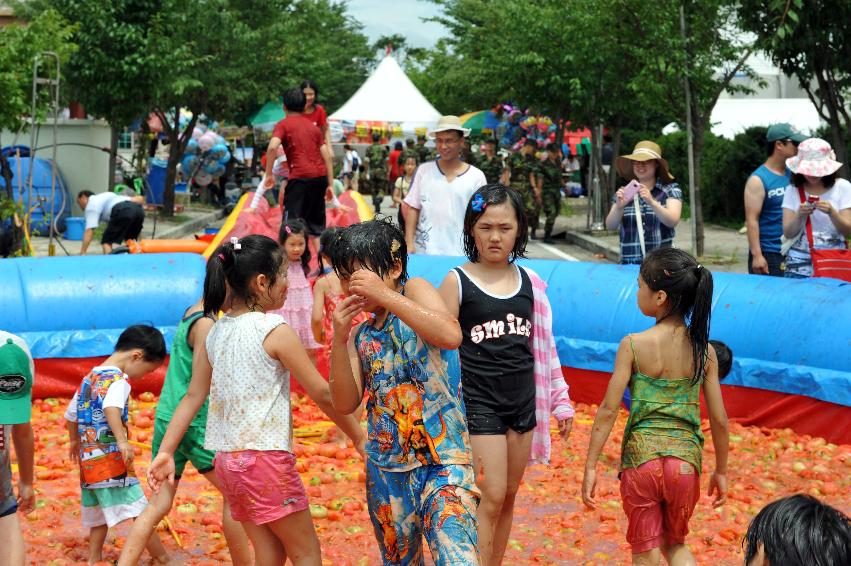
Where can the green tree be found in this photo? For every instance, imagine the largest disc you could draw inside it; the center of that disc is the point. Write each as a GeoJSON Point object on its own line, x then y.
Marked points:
{"type": "Point", "coordinates": [19, 45]}
{"type": "Point", "coordinates": [809, 42]}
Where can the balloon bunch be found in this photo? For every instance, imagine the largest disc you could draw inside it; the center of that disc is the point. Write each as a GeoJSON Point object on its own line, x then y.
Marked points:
{"type": "Point", "coordinates": [206, 156]}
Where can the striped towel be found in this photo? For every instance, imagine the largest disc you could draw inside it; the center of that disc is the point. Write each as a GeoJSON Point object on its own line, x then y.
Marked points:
{"type": "Point", "coordinates": [551, 389]}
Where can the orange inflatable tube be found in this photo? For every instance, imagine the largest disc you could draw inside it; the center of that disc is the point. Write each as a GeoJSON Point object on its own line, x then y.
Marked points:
{"type": "Point", "coordinates": [167, 246]}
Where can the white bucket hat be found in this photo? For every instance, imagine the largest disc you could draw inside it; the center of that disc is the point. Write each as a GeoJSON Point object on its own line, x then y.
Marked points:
{"type": "Point", "coordinates": [447, 123]}
{"type": "Point", "coordinates": [815, 158]}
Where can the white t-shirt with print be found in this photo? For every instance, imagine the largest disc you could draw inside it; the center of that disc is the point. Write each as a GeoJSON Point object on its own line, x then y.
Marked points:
{"type": "Point", "coordinates": [442, 205]}
{"type": "Point", "coordinates": [250, 392]}
{"type": "Point", "coordinates": [825, 234]}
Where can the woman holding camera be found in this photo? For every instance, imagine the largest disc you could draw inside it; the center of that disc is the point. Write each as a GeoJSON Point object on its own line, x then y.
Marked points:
{"type": "Point", "coordinates": [658, 198]}
{"type": "Point", "coordinates": [818, 197]}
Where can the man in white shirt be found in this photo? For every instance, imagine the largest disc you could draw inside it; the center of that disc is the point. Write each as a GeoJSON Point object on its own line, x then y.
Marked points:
{"type": "Point", "coordinates": [124, 217]}
{"type": "Point", "coordinates": [439, 193]}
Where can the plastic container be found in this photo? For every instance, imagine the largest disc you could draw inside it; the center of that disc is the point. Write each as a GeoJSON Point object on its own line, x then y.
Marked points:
{"type": "Point", "coordinates": [75, 227]}
{"type": "Point", "coordinates": [211, 230]}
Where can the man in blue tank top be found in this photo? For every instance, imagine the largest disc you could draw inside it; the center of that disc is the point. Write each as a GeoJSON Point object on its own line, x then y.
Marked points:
{"type": "Point", "coordinates": [764, 192]}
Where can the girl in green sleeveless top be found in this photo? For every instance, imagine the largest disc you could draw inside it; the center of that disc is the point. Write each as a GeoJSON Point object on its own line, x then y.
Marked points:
{"type": "Point", "coordinates": [666, 367]}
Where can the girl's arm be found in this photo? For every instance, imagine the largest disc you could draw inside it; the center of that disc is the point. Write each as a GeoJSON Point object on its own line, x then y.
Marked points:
{"type": "Point", "coordinates": [605, 419]}
{"type": "Point", "coordinates": [318, 312]}
{"type": "Point", "coordinates": [793, 220]}
{"type": "Point", "coordinates": [669, 213]}
{"type": "Point", "coordinates": [449, 293]}
{"type": "Point", "coordinates": [284, 345]}
{"type": "Point", "coordinates": [841, 219]}
{"type": "Point", "coordinates": [421, 307]}
{"type": "Point", "coordinates": [718, 424]}
{"type": "Point", "coordinates": [24, 441]}
{"type": "Point", "coordinates": [397, 191]}
{"type": "Point", "coordinates": [346, 380]}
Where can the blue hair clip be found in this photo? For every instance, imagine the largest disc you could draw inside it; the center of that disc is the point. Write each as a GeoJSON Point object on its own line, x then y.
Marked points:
{"type": "Point", "coordinates": [478, 203]}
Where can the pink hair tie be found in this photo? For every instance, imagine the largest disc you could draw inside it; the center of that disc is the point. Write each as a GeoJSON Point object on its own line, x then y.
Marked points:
{"type": "Point", "coordinates": [288, 230]}
{"type": "Point", "coordinates": [221, 256]}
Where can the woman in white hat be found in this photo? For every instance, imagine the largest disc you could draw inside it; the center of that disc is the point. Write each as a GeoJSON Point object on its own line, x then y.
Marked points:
{"type": "Point", "coordinates": [817, 194]}
{"type": "Point", "coordinates": [658, 198]}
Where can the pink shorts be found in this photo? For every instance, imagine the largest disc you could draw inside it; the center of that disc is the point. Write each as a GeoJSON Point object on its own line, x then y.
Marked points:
{"type": "Point", "coordinates": [261, 486]}
{"type": "Point", "coordinates": [659, 497]}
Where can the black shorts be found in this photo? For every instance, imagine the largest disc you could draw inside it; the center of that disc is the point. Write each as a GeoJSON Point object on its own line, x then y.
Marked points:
{"type": "Point", "coordinates": [305, 199]}
{"type": "Point", "coordinates": [482, 420]}
{"type": "Point", "coordinates": [125, 223]}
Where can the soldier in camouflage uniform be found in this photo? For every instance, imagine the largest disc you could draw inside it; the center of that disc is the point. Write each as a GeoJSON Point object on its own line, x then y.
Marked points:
{"type": "Point", "coordinates": [523, 167]}
{"type": "Point", "coordinates": [409, 151]}
{"type": "Point", "coordinates": [550, 181]}
{"type": "Point", "coordinates": [376, 160]}
{"type": "Point", "coordinates": [490, 163]}
{"type": "Point", "coordinates": [423, 153]}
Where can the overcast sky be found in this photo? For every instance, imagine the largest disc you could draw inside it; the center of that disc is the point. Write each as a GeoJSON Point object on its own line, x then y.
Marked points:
{"type": "Point", "coordinates": [386, 17]}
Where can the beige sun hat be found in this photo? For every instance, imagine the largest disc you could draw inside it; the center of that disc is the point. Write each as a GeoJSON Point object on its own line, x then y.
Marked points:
{"type": "Point", "coordinates": [447, 123]}
{"type": "Point", "coordinates": [644, 151]}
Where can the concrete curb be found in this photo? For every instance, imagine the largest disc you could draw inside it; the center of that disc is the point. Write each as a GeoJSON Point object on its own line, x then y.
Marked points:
{"type": "Point", "coordinates": [593, 245]}
{"type": "Point", "coordinates": [190, 226]}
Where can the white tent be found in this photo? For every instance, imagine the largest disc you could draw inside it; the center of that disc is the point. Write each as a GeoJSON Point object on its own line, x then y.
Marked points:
{"type": "Point", "coordinates": [387, 96]}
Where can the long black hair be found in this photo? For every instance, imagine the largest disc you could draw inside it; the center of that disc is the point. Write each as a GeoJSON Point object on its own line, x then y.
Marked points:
{"type": "Point", "coordinates": [234, 264]}
{"type": "Point", "coordinates": [326, 240]}
{"type": "Point", "coordinates": [800, 530]}
{"type": "Point", "coordinates": [375, 245]}
{"type": "Point", "coordinates": [290, 228]}
{"type": "Point", "coordinates": [311, 85]}
{"type": "Point", "coordinates": [144, 337]}
{"type": "Point", "coordinates": [485, 196]}
{"type": "Point", "coordinates": [689, 289]}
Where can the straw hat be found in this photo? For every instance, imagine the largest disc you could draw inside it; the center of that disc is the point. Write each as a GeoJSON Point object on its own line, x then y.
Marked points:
{"type": "Point", "coordinates": [644, 151]}
{"type": "Point", "coordinates": [815, 158]}
{"type": "Point", "coordinates": [447, 123]}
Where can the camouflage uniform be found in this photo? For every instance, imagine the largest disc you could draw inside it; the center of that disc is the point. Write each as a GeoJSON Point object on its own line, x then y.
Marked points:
{"type": "Point", "coordinates": [492, 168]}
{"type": "Point", "coordinates": [423, 154]}
{"type": "Point", "coordinates": [377, 155]}
{"type": "Point", "coordinates": [550, 193]}
{"type": "Point", "coordinates": [521, 169]}
{"type": "Point", "coordinates": [406, 153]}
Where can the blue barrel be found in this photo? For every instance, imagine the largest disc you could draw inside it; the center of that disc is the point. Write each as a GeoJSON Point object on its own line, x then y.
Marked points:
{"type": "Point", "coordinates": [75, 227]}
{"type": "Point", "coordinates": [156, 182]}
{"type": "Point", "coordinates": [76, 307]}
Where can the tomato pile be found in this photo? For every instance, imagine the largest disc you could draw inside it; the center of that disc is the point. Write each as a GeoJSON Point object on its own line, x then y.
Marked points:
{"type": "Point", "coordinates": [551, 526]}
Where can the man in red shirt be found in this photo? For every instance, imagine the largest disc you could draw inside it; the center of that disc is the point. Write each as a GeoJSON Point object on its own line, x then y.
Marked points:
{"type": "Point", "coordinates": [309, 158]}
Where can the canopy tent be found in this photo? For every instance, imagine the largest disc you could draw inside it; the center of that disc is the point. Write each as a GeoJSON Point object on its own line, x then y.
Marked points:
{"type": "Point", "coordinates": [733, 116]}
{"type": "Point", "coordinates": [388, 103]}
{"type": "Point", "coordinates": [267, 116]}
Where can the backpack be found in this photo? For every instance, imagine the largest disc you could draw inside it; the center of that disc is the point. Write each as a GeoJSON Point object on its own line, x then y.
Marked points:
{"type": "Point", "coordinates": [355, 161]}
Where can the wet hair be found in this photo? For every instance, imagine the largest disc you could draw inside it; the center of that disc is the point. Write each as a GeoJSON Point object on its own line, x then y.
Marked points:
{"type": "Point", "coordinates": [312, 86]}
{"type": "Point", "coordinates": [326, 240]}
{"type": "Point", "coordinates": [724, 355]}
{"type": "Point", "coordinates": [143, 337]}
{"type": "Point", "coordinates": [799, 180]}
{"type": "Point", "coordinates": [398, 145]}
{"type": "Point", "coordinates": [409, 142]}
{"type": "Point", "coordinates": [800, 530]}
{"type": "Point", "coordinates": [376, 245]}
{"type": "Point", "coordinates": [347, 146]}
{"type": "Point", "coordinates": [552, 147]}
{"type": "Point", "coordinates": [376, 136]}
{"type": "Point", "coordinates": [290, 228]}
{"type": "Point", "coordinates": [294, 100]}
{"type": "Point", "coordinates": [689, 289]}
{"type": "Point", "coordinates": [230, 269]}
{"type": "Point", "coordinates": [490, 141]}
{"type": "Point", "coordinates": [82, 194]}
{"type": "Point", "coordinates": [494, 194]}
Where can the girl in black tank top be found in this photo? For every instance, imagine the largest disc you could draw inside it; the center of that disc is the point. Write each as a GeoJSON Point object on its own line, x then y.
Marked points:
{"type": "Point", "coordinates": [494, 302]}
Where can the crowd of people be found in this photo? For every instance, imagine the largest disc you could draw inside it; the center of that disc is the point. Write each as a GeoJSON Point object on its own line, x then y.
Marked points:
{"type": "Point", "coordinates": [457, 384]}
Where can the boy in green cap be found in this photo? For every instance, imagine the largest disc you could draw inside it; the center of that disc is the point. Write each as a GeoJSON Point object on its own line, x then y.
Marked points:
{"type": "Point", "coordinates": [16, 381]}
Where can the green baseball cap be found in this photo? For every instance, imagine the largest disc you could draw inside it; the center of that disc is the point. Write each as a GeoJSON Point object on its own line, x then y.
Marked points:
{"type": "Point", "coordinates": [16, 383]}
{"type": "Point", "coordinates": [784, 131]}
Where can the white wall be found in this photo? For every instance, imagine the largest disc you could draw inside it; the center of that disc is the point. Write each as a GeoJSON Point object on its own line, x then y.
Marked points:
{"type": "Point", "coordinates": [83, 168]}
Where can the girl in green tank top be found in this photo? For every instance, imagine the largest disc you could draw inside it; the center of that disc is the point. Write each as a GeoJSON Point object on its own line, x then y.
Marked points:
{"type": "Point", "coordinates": [665, 367]}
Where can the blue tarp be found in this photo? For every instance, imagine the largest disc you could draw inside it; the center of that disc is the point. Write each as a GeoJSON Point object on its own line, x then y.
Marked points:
{"type": "Point", "coordinates": [41, 209]}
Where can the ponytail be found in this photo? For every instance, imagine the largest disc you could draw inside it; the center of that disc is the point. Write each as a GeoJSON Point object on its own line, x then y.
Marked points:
{"type": "Point", "coordinates": [698, 324]}
{"type": "Point", "coordinates": [234, 264]}
{"type": "Point", "coordinates": [688, 286]}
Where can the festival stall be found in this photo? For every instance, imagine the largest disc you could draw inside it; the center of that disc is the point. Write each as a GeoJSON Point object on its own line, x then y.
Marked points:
{"type": "Point", "coordinates": [388, 103]}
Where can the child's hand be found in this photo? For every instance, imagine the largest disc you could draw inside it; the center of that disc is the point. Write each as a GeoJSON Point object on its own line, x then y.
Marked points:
{"type": "Point", "coordinates": [26, 498]}
{"type": "Point", "coordinates": [348, 309]}
{"type": "Point", "coordinates": [74, 451]}
{"type": "Point", "coordinates": [718, 485]}
{"type": "Point", "coordinates": [564, 428]}
{"type": "Point", "coordinates": [360, 446]}
{"type": "Point", "coordinates": [589, 485]}
{"type": "Point", "coordinates": [161, 470]}
{"type": "Point", "coordinates": [126, 453]}
{"type": "Point", "coordinates": [369, 285]}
